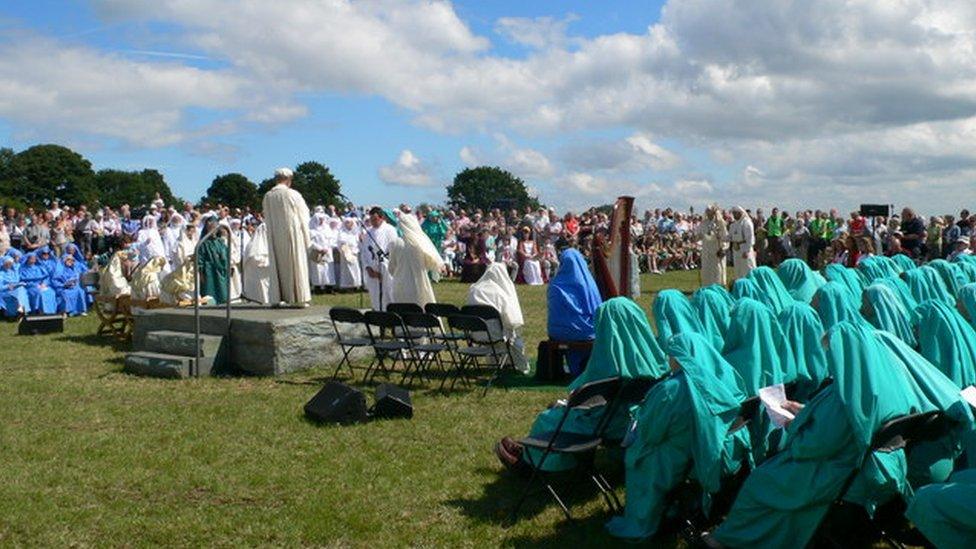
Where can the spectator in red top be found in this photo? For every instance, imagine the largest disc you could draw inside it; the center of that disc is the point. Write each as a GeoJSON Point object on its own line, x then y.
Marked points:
{"type": "Point", "coordinates": [571, 224]}
{"type": "Point", "coordinates": [857, 226]}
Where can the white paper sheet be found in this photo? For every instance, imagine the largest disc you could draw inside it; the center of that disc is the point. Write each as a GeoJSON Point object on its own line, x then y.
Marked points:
{"type": "Point", "coordinates": [969, 393]}
{"type": "Point", "coordinates": [773, 398]}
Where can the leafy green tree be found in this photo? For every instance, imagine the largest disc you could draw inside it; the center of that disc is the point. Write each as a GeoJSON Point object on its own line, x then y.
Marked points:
{"type": "Point", "coordinates": [234, 190]}
{"type": "Point", "coordinates": [45, 172]}
{"type": "Point", "coordinates": [484, 186]}
{"type": "Point", "coordinates": [117, 187]}
{"type": "Point", "coordinates": [316, 184]}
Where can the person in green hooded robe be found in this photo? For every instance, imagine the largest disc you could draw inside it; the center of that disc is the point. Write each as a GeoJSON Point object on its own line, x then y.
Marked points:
{"type": "Point", "coordinates": [624, 347]}
{"type": "Point", "coordinates": [835, 272]}
{"type": "Point", "coordinates": [784, 500]}
{"type": "Point", "coordinates": [948, 342]}
{"type": "Point", "coordinates": [212, 265]}
{"type": "Point", "coordinates": [746, 287]}
{"type": "Point", "coordinates": [885, 311]}
{"type": "Point", "coordinates": [435, 228]}
{"type": "Point", "coordinates": [946, 513]}
{"type": "Point", "coordinates": [803, 331]}
{"type": "Point", "coordinates": [835, 304]}
{"type": "Point", "coordinates": [799, 279]}
{"type": "Point", "coordinates": [771, 288]}
{"type": "Point", "coordinates": [673, 315]}
{"type": "Point", "coordinates": [967, 270]}
{"type": "Point", "coordinates": [925, 284]}
{"type": "Point", "coordinates": [722, 291]}
{"type": "Point", "coordinates": [714, 311]}
{"type": "Point", "coordinates": [904, 262]}
{"type": "Point", "coordinates": [900, 287]}
{"type": "Point", "coordinates": [953, 277]}
{"type": "Point", "coordinates": [966, 303]}
{"type": "Point", "coordinates": [681, 426]}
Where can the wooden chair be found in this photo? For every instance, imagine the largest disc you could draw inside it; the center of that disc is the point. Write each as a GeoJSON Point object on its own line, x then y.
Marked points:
{"type": "Point", "coordinates": [113, 314]}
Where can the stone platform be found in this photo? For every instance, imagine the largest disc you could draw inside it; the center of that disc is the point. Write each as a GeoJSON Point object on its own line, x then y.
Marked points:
{"type": "Point", "coordinates": [262, 340]}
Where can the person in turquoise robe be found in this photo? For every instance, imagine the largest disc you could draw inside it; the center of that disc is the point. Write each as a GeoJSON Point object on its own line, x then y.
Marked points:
{"type": "Point", "coordinates": [435, 228]}
{"type": "Point", "coordinates": [925, 284]}
{"type": "Point", "coordinates": [803, 331]}
{"type": "Point", "coordinates": [967, 270]}
{"type": "Point", "coordinates": [746, 287]}
{"type": "Point", "coordinates": [871, 269]}
{"type": "Point", "coordinates": [948, 342]}
{"type": "Point", "coordinates": [835, 304]}
{"type": "Point", "coordinates": [771, 288]}
{"type": "Point", "coordinates": [13, 295]}
{"type": "Point", "coordinates": [884, 310]}
{"type": "Point", "coordinates": [714, 311]}
{"type": "Point", "coordinates": [904, 263]}
{"type": "Point", "coordinates": [836, 272]}
{"type": "Point", "coordinates": [71, 297]}
{"type": "Point", "coordinates": [213, 268]}
{"type": "Point", "coordinates": [722, 291]}
{"type": "Point", "coordinates": [945, 513]}
{"type": "Point", "coordinates": [784, 500]}
{"type": "Point", "coordinates": [900, 288]}
{"type": "Point", "coordinates": [673, 315]}
{"type": "Point", "coordinates": [951, 275]}
{"type": "Point", "coordinates": [572, 300]}
{"type": "Point", "coordinates": [37, 280]}
{"type": "Point", "coordinates": [681, 427]}
{"type": "Point", "coordinates": [624, 347]}
{"type": "Point", "coordinates": [799, 279]}
{"type": "Point", "coordinates": [967, 303]}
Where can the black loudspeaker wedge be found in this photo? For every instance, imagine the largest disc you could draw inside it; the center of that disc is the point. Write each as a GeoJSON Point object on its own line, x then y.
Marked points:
{"type": "Point", "coordinates": [46, 324]}
{"type": "Point", "coordinates": [392, 402]}
{"type": "Point", "coordinates": [337, 403]}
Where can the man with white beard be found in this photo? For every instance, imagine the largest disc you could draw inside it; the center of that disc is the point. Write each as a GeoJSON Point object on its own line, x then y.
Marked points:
{"type": "Point", "coordinates": [742, 239]}
{"type": "Point", "coordinates": [374, 248]}
{"type": "Point", "coordinates": [411, 259]}
{"type": "Point", "coordinates": [286, 215]}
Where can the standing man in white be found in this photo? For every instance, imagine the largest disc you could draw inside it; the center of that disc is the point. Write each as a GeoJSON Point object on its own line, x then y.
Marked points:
{"type": "Point", "coordinates": [286, 215]}
{"type": "Point", "coordinates": [742, 238]}
{"type": "Point", "coordinates": [374, 250]}
{"type": "Point", "coordinates": [411, 259]}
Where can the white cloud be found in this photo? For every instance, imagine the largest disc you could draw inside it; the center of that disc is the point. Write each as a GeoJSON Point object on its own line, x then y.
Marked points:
{"type": "Point", "coordinates": [539, 32]}
{"type": "Point", "coordinates": [469, 157]}
{"type": "Point", "coordinates": [635, 153]}
{"type": "Point", "coordinates": [407, 170]}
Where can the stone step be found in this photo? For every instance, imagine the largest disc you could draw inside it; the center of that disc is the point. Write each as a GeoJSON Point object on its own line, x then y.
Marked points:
{"type": "Point", "coordinates": [146, 363]}
{"type": "Point", "coordinates": [181, 343]}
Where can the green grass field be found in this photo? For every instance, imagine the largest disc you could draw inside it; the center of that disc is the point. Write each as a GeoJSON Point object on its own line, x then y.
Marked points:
{"type": "Point", "coordinates": [92, 456]}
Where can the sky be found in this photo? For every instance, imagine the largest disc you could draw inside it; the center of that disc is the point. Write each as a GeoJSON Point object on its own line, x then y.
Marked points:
{"type": "Point", "coordinates": [796, 104]}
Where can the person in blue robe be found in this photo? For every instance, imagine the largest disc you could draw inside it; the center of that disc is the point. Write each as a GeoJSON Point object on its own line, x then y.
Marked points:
{"type": "Point", "coordinates": [12, 292]}
{"type": "Point", "coordinates": [681, 430]}
{"type": "Point", "coordinates": [673, 315]}
{"type": "Point", "coordinates": [573, 299]}
{"type": "Point", "coordinates": [46, 259]}
{"type": "Point", "coordinates": [37, 280]}
{"type": "Point", "coordinates": [71, 297]}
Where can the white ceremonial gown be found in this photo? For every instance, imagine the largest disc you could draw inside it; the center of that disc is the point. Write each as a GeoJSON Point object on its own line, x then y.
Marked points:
{"type": "Point", "coordinates": [321, 271]}
{"type": "Point", "coordinates": [496, 288]}
{"type": "Point", "coordinates": [382, 237]}
{"type": "Point", "coordinates": [742, 239]}
{"type": "Point", "coordinates": [286, 216]}
{"type": "Point", "coordinates": [713, 234]}
{"type": "Point", "coordinates": [411, 258]}
{"type": "Point", "coordinates": [257, 267]}
{"type": "Point", "coordinates": [350, 273]}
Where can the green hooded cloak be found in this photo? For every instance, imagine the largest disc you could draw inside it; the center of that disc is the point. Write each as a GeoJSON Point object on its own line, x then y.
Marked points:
{"type": "Point", "coordinates": [213, 269]}
{"type": "Point", "coordinates": [948, 342]}
{"type": "Point", "coordinates": [851, 280]}
{"type": "Point", "coordinates": [714, 311]}
{"type": "Point", "coordinates": [967, 303]}
{"type": "Point", "coordinates": [835, 304]}
{"type": "Point", "coordinates": [904, 263]}
{"type": "Point", "coordinates": [673, 315]}
{"type": "Point", "coordinates": [900, 288]}
{"type": "Point", "coordinates": [802, 329]}
{"type": "Point", "coordinates": [799, 279]}
{"type": "Point", "coordinates": [951, 275]}
{"type": "Point", "coordinates": [771, 288]}
{"type": "Point", "coordinates": [746, 287]}
{"type": "Point", "coordinates": [925, 284]}
{"type": "Point", "coordinates": [885, 311]}
{"type": "Point", "coordinates": [946, 513]}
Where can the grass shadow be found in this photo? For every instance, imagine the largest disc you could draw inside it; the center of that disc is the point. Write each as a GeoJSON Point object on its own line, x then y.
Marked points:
{"type": "Point", "coordinates": [94, 340]}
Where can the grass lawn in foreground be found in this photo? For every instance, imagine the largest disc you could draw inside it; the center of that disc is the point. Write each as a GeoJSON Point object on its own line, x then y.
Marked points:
{"type": "Point", "coordinates": [93, 456]}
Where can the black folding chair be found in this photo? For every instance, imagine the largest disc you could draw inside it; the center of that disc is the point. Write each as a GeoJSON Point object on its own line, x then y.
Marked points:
{"type": "Point", "coordinates": [426, 354]}
{"type": "Point", "coordinates": [480, 346]}
{"type": "Point", "coordinates": [347, 316]}
{"type": "Point", "coordinates": [496, 330]}
{"type": "Point", "coordinates": [451, 338]}
{"type": "Point", "coordinates": [583, 446]}
{"type": "Point", "coordinates": [407, 308]}
{"type": "Point", "coordinates": [386, 336]}
{"type": "Point", "coordinates": [899, 433]}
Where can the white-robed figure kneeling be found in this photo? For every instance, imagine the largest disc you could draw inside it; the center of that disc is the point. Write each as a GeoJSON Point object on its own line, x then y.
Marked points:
{"type": "Point", "coordinates": [146, 280]}
{"type": "Point", "coordinates": [412, 257]}
{"type": "Point", "coordinates": [350, 273]}
{"type": "Point", "coordinates": [496, 288]}
{"type": "Point", "coordinates": [321, 269]}
{"type": "Point", "coordinates": [257, 267]}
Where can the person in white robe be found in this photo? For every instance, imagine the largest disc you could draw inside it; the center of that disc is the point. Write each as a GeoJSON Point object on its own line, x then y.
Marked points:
{"type": "Point", "coordinates": [112, 281]}
{"type": "Point", "coordinates": [714, 234]}
{"type": "Point", "coordinates": [321, 269]}
{"type": "Point", "coordinates": [146, 280]}
{"type": "Point", "coordinates": [412, 259]}
{"type": "Point", "coordinates": [149, 241]}
{"type": "Point", "coordinates": [235, 286]}
{"type": "Point", "coordinates": [257, 267]}
{"type": "Point", "coordinates": [742, 240]}
{"type": "Point", "coordinates": [286, 215]}
{"type": "Point", "coordinates": [374, 254]}
{"type": "Point", "coordinates": [171, 238]}
{"type": "Point", "coordinates": [496, 288]}
{"type": "Point", "coordinates": [350, 271]}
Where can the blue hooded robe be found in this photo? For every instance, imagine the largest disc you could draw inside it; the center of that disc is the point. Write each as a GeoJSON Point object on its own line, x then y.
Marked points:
{"type": "Point", "coordinates": [37, 280]}
{"type": "Point", "coordinates": [573, 299]}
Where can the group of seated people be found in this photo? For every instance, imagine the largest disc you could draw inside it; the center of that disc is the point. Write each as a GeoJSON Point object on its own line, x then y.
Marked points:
{"type": "Point", "coordinates": [41, 283]}
{"type": "Point", "coordinates": [856, 348]}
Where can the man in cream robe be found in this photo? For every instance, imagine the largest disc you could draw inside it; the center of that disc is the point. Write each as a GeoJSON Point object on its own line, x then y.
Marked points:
{"type": "Point", "coordinates": [257, 267]}
{"type": "Point", "coordinates": [742, 240]}
{"type": "Point", "coordinates": [713, 233]}
{"type": "Point", "coordinates": [286, 215]}
{"type": "Point", "coordinates": [411, 259]}
{"type": "Point", "coordinates": [349, 272]}
{"type": "Point", "coordinates": [378, 238]}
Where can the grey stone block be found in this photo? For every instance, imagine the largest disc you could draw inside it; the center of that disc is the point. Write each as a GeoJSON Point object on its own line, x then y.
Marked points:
{"type": "Point", "coordinates": [149, 364]}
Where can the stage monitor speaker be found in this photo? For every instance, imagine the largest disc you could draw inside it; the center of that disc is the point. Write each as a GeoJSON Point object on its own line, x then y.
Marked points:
{"type": "Point", "coordinates": [392, 402]}
{"type": "Point", "coordinates": [875, 210]}
{"type": "Point", "coordinates": [45, 324]}
{"type": "Point", "coordinates": [337, 403]}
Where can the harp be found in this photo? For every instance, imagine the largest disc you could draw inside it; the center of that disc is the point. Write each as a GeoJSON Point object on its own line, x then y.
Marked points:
{"type": "Point", "coordinates": [611, 252]}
